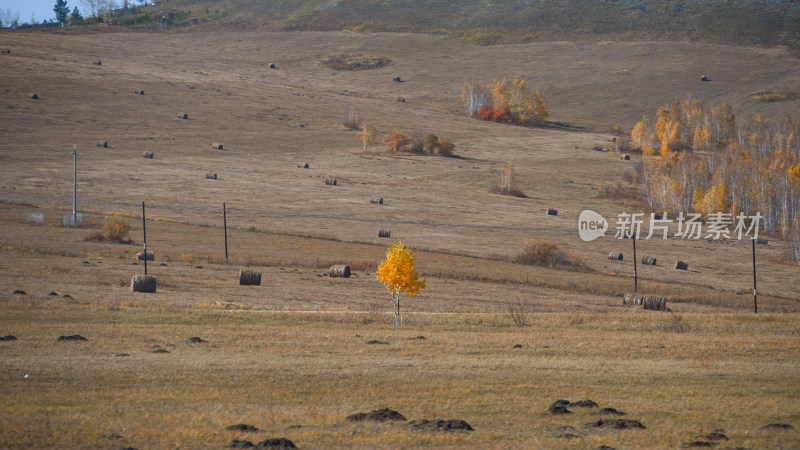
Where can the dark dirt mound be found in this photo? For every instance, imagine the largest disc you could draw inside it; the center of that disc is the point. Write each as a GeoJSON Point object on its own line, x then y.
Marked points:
{"type": "Point", "coordinates": [715, 436]}
{"type": "Point", "coordinates": [20, 292]}
{"type": "Point", "coordinates": [584, 404]}
{"type": "Point", "coordinates": [568, 436]}
{"type": "Point", "coordinates": [559, 407]}
{"type": "Point", "coordinates": [66, 296]}
{"type": "Point", "coordinates": [375, 341]}
{"type": "Point", "coordinates": [8, 338]}
{"type": "Point", "coordinates": [617, 424]}
{"type": "Point", "coordinates": [379, 415]}
{"type": "Point", "coordinates": [276, 443]}
{"type": "Point", "coordinates": [196, 340]}
{"type": "Point", "coordinates": [698, 444]}
{"type": "Point", "coordinates": [605, 447]}
{"type": "Point", "coordinates": [243, 427]}
{"type": "Point", "coordinates": [236, 443]}
{"type": "Point", "coordinates": [418, 338]}
{"type": "Point", "coordinates": [53, 293]}
{"type": "Point", "coordinates": [777, 426]}
{"type": "Point", "coordinates": [122, 355]}
{"type": "Point", "coordinates": [517, 346]}
{"type": "Point", "coordinates": [74, 337]}
{"type": "Point", "coordinates": [160, 350]}
{"type": "Point", "coordinates": [609, 411]}
{"type": "Point", "coordinates": [439, 425]}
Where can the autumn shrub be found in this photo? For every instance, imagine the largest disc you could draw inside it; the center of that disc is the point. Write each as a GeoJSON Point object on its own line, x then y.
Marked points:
{"type": "Point", "coordinates": [397, 141]}
{"type": "Point", "coordinates": [543, 253]}
{"type": "Point", "coordinates": [501, 101]}
{"type": "Point", "coordinates": [506, 186]}
{"type": "Point", "coordinates": [115, 229]}
{"type": "Point", "coordinates": [445, 147]}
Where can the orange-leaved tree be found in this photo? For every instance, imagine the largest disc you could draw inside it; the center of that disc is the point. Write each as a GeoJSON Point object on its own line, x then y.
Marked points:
{"type": "Point", "coordinates": [397, 141]}
{"type": "Point", "coordinates": [396, 273]}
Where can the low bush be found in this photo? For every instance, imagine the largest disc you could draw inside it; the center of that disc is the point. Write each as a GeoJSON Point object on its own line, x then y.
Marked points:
{"type": "Point", "coordinates": [115, 229]}
{"type": "Point", "coordinates": [543, 253]}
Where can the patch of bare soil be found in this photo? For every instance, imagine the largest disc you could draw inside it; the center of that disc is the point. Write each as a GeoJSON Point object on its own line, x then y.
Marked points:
{"type": "Point", "coordinates": [8, 338]}
{"type": "Point", "coordinates": [355, 61]}
{"type": "Point", "coordinates": [378, 415]}
{"type": "Point", "coordinates": [777, 426]}
{"type": "Point", "coordinates": [242, 427]}
{"type": "Point", "coordinates": [439, 425]}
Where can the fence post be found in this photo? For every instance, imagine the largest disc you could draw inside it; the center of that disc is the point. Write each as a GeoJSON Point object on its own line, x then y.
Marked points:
{"type": "Point", "coordinates": [225, 225]}
{"type": "Point", "coordinates": [755, 301]}
{"type": "Point", "coordinates": [144, 232]}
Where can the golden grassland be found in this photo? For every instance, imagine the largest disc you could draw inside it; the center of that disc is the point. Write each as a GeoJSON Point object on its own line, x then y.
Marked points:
{"type": "Point", "coordinates": [293, 351]}
{"type": "Point", "coordinates": [299, 376]}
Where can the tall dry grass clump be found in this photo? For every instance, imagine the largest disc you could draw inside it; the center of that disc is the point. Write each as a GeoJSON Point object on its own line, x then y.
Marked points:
{"type": "Point", "coordinates": [542, 253]}
{"type": "Point", "coordinates": [115, 229]}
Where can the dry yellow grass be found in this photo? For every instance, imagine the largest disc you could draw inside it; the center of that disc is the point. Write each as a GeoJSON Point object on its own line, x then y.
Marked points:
{"type": "Point", "coordinates": [717, 366]}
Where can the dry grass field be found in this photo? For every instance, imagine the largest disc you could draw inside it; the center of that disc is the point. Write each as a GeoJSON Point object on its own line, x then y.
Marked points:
{"type": "Point", "coordinates": [291, 357]}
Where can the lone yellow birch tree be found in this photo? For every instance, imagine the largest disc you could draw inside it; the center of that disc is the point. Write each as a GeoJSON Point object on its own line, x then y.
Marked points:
{"type": "Point", "coordinates": [396, 273]}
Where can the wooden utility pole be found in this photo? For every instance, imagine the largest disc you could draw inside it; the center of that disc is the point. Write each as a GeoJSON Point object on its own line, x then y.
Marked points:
{"type": "Point", "coordinates": [225, 225]}
{"type": "Point", "coordinates": [755, 300]}
{"type": "Point", "coordinates": [75, 184]}
{"type": "Point", "coordinates": [635, 277]}
{"type": "Point", "coordinates": [144, 238]}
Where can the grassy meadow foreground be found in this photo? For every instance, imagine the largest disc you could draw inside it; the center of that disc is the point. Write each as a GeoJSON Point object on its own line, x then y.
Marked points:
{"type": "Point", "coordinates": [293, 356]}
{"type": "Point", "coordinates": [300, 375]}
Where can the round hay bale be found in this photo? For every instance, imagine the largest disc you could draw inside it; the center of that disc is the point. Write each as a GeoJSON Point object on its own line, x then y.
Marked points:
{"type": "Point", "coordinates": [183, 116]}
{"type": "Point", "coordinates": [648, 261]}
{"type": "Point", "coordinates": [384, 233]}
{"type": "Point", "coordinates": [625, 157]}
{"type": "Point", "coordinates": [704, 78]}
{"type": "Point", "coordinates": [615, 256]}
{"type": "Point", "coordinates": [33, 96]}
{"type": "Point", "coordinates": [7, 51]}
{"type": "Point", "coordinates": [401, 99]}
{"type": "Point", "coordinates": [339, 271]}
{"type": "Point", "coordinates": [552, 212]}
{"type": "Point", "coordinates": [249, 277]}
{"type": "Point", "coordinates": [377, 201]}
{"type": "Point", "coordinates": [138, 92]}
{"type": "Point", "coordinates": [98, 63]}
{"type": "Point", "coordinates": [654, 303]}
{"type": "Point", "coordinates": [397, 80]}
{"type": "Point", "coordinates": [331, 181]}
{"type": "Point", "coordinates": [143, 283]}
{"type": "Point", "coordinates": [217, 146]}
{"type": "Point", "coordinates": [303, 165]}
{"type": "Point", "coordinates": [681, 265]}
{"type": "Point", "coordinates": [149, 255]}
{"type": "Point", "coordinates": [762, 241]}
{"type": "Point", "coordinates": [103, 144]}
{"type": "Point", "coordinates": [632, 299]}
{"type": "Point", "coordinates": [272, 66]}
{"type": "Point", "coordinates": [148, 155]}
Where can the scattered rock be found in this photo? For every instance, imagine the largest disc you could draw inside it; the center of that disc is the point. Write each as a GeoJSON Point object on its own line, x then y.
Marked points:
{"type": "Point", "coordinates": [74, 337]}
{"type": "Point", "coordinates": [439, 425]}
{"type": "Point", "coordinates": [692, 444]}
{"type": "Point", "coordinates": [378, 415]}
{"type": "Point", "coordinates": [584, 404]}
{"type": "Point", "coordinates": [276, 443]}
{"type": "Point", "coordinates": [236, 443]}
{"type": "Point", "coordinates": [609, 411]}
{"type": "Point", "coordinates": [559, 407]}
{"type": "Point", "coordinates": [8, 338]}
{"type": "Point", "coordinates": [517, 346]}
{"type": "Point", "coordinates": [196, 340]}
{"type": "Point", "coordinates": [243, 427]}
{"type": "Point", "coordinates": [53, 293]}
{"type": "Point", "coordinates": [375, 341]}
{"type": "Point", "coordinates": [617, 424]}
{"type": "Point", "coordinates": [777, 426]}
{"type": "Point", "coordinates": [160, 350]}
{"type": "Point", "coordinates": [20, 292]}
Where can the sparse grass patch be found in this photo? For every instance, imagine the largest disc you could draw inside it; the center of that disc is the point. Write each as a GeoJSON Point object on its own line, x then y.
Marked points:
{"type": "Point", "coordinates": [774, 95]}
{"type": "Point", "coordinates": [355, 61]}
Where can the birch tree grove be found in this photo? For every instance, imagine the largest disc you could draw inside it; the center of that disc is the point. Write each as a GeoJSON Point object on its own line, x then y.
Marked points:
{"type": "Point", "coordinates": [501, 101]}
{"type": "Point", "coordinates": [710, 161]}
